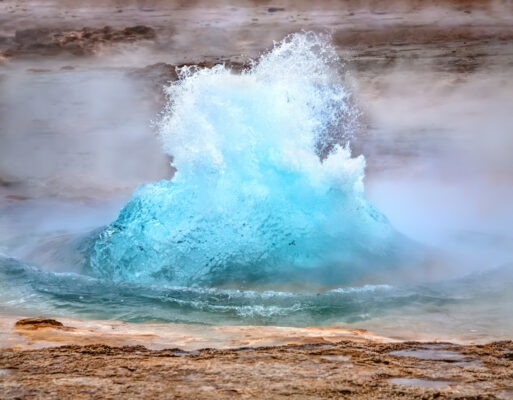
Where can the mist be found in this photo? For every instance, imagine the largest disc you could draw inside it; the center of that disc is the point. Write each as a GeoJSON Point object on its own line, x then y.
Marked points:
{"type": "Point", "coordinates": [76, 140]}
{"type": "Point", "coordinates": [76, 133]}
{"type": "Point", "coordinates": [438, 150]}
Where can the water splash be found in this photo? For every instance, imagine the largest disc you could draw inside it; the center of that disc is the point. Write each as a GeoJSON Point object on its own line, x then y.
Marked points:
{"type": "Point", "coordinates": [266, 189]}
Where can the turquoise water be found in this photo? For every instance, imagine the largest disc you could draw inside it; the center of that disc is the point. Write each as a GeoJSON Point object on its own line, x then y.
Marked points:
{"type": "Point", "coordinates": [265, 222]}
{"type": "Point", "coordinates": [266, 189]}
{"type": "Point", "coordinates": [479, 303]}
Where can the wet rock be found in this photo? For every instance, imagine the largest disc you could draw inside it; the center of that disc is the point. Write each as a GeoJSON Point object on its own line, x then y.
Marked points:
{"type": "Point", "coordinates": [139, 32]}
{"type": "Point", "coordinates": [36, 323]}
{"type": "Point", "coordinates": [275, 372]}
{"type": "Point", "coordinates": [17, 197]}
{"type": "Point", "coordinates": [4, 182]}
{"type": "Point", "coordinates": [158, 73]}
{"type": "Point", "coordinates": [34, 37]}
{"type": "Point", "coordinates": [38, 70]}
{"type": "Point", "coordinates": [275, 9]}
{"type": "Point", "coordinates": [85, 41]}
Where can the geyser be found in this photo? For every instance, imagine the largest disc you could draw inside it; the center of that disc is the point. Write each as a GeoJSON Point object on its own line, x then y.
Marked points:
{"type": "Point", "coordinates": [266, 189]}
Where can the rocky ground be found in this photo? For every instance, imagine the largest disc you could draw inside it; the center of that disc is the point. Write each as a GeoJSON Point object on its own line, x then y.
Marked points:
{"type": "Point", "coordinates": [346, 369]}
{"type": "Point", "coordinates": [457, 35]}
{"type": "Point", "coordinates": [320, 363]}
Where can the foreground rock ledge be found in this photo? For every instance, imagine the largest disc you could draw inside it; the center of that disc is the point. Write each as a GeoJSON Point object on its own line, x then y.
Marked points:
{"type": "Point", "coordinates": [347, 369]}
{"type": "Point", "coordinates": [36, 323]}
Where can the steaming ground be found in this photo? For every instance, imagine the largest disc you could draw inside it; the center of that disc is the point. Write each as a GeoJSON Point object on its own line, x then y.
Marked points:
{"type": "Point", "coordinates": [76, 139]}
{"type": "Point", "coordinates": [440, 169]}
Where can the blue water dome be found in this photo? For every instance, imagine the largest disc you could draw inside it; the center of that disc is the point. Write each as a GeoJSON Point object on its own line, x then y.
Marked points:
{"type": "Point", "coordinates": [266, 189]}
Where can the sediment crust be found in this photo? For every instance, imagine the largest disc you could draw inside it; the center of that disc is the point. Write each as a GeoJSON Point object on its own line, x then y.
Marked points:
{"type": "Point", "coordinates": [32, 333]}
{"type": "Point", "coordinates": [346, 369]}
{"type": "Point", "coordinates": [310, 363]}
{"type": "Point", "coordinates": [81, 42]}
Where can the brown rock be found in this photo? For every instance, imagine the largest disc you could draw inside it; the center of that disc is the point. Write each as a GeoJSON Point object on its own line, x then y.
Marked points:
{"type": "Point", "coordinates": [363, 370]}
{"type": "Point", "coordinates": [85, 41]}
{"type": "Point", "coordinates": [19, 197]}
{"type": "Point", "coordinates": [33, 37]}
{"type": "Point", "coordinates": [36, 323]}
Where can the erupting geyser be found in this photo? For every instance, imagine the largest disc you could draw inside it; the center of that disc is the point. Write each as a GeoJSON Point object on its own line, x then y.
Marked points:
{"type": "Point", "coordinates": [266, 189]}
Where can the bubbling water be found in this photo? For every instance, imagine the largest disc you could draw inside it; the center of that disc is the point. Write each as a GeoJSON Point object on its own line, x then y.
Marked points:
{"type": "Point", "coordinates": [266, 188]}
